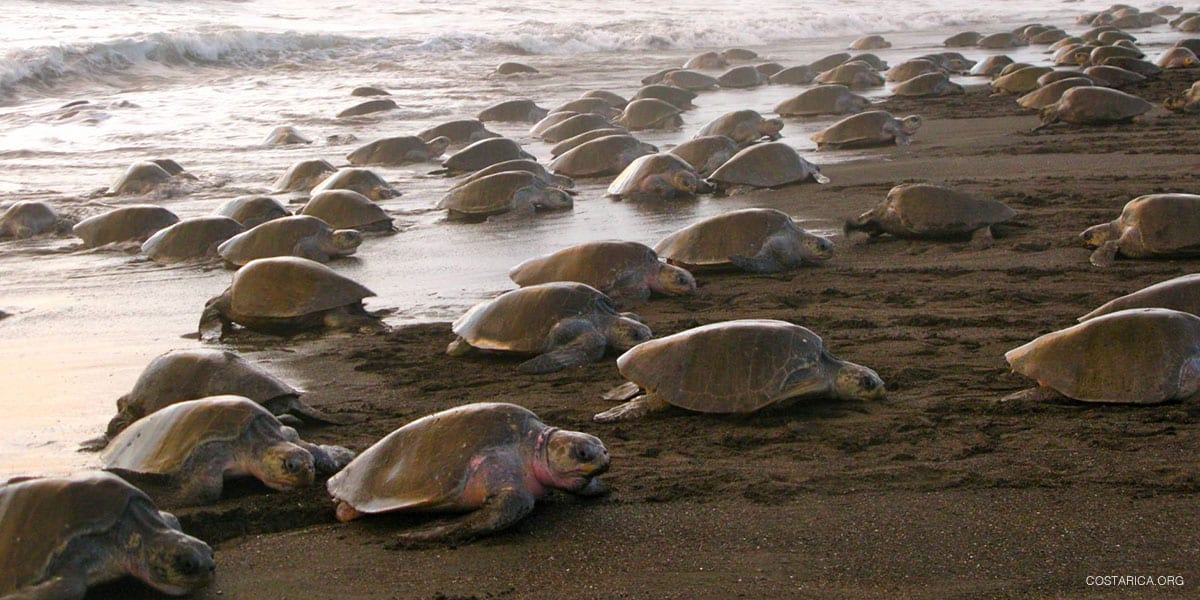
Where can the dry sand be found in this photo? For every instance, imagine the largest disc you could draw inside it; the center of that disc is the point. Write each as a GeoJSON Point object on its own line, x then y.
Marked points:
{"type": "Point", "coordinates": [942, 491]}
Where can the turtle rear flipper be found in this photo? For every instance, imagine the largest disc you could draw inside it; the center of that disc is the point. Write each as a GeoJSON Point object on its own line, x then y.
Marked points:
{"type": "Point", "coordinates": [757, 264]}
{"type": "Point", "coordinates": [290, 406]}
{"type": "Point", "coordinates": [622, 393]}
{"type": "Point", "coordinates": [634, 409]}
{"type": "Point", "coordinates": [71, 585]}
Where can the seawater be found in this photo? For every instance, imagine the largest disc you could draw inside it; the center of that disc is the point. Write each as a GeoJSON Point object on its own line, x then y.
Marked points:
{"type": "Point", "coordinates": [203, 82]}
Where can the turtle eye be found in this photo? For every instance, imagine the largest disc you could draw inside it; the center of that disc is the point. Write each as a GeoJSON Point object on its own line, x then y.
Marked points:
{"type": "Point", "coordinates": [294, 464]}
{"type": "Point", "coordinates": [186, 564]}
{"type": "Point", "coordinates": [582, 454]}
{"type": "Point", "coordinates": [866, 382]}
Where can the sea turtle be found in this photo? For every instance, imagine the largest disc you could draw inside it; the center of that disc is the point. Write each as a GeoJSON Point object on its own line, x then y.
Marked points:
{"type": "Point", "coordinates": [252, 210]}
{"type": "Point", "coordinates": [503, 192]}
{"type": "Point", "coordinates": [1181, 293]}
{"type": "Point", "coordinates": [1112, 76]}
{"type": "Point", "coordinates": [64, 534]}
{"type": "Point", "coordinates": [285, 135]}
{"type": "Point", "coordinates": [732, 54]}
{"type": "Point", "coordinates": [706, 153]}
{"type": "Point", "coordinates": [870, 128]}
{"type": "Point", "coordinates": [304, 175]}
{"type": "Point", "coordinates": [394, 151]}
{"type": "Point", "coordinates": [604, 156]}
{"type": "Point", "coordinates": [1020, 81]}
{"type": "Point", "coordinates": [832, 99]}
{"type": "Point", "coordinates": [347, 209]}
{"type": "Point", "coordinates": [743, 126]}
{"type": "Point", "coordinates": [520, 164]}
{"type": "Point", "coordinates": [628, 272]}
{"type": "Point", "coordinates": [520, 111]}
{"type": "Point", "coordinates": [798, 75]}
{"type": "Point", "coordinates": [550, 120]}
{"type": "Point", "coordinates": [766, 165]}
{"type": "Point", "coordinates": [514, 68]}
{"type": "Point", "coordinates": [362, 181]}
{"type": "Point", "coordinates": [1150, 226]}
{"type": "Point", "coordinates": [853, 74]}
{"type": "Point", "coordinates": [706, 60]}
{"type": "Point", "coordinates": [690, 80]}
{"type": "Point", "coordinates": [991, 66]}
{"type": "Point", "coordinates": [574, 126]}
{"type": "Point", "coordinates": [1094, 105]}
{"type": "Point", "coordinates": [1137, 356]}
{"type": "Point", "coordinates": [1192, 44]}
{"type": "Point", "coordinates": [744, 76]}
{"type": "Point", "coordinates": [768, 69]}
{"type": "Point", "coordinates": [1049, 93]}
{"type": "Point", "coordinates": [459, 132]}
{"type": "Point", "coordinates": [870, 42]}
{"type": "Point", "coordinates": [998, 41]}
{"type": "Point", "coordinates": [368, 91]}
{"type": "Point", "coordinates": [1141, 67]}
{"type": "Point", "coordinates": [759, 240]}
{"type": "Point", "coordinates": [369, 107]}
{"type": "Point", "coordinates": [1188, 101]}
{"type": "Point", "coordinates": [614, 100]}
{"type": "Point", "coordinates": [133, 223]}
{"type": "Point", "coordinates": [1099, 54]}
{"type": "Point", "coordinates": [199, 443]}
{"type": "Point", "coordinates": [564, 324]}
{"type": "Point", "coordinates": [950, 62]}
{"type": "Point", "coordinates": [180, 375]}
{"type": "Point", "coordinates": [826, 63]}
{"type": "Point", "coordinates": [1048, 36]}
{"type": "Point", "coordinates": [299, 235]}
{"type": "Point", "coordinates": [963, 39]}
{"type": "Point", "coordinates": [574, 142]}
{"type": "Point", "coordinates": [921, 210]}
{"type": "Point", "coordinates": [1177, 58]}
{"type": "Point", "coordinates": [191, 239]}
{"type": "Point", "coordinates": [1111, 37]}
{"type": "Point", "coordinates": [1058, 75]}
{"type": "Point", "coordinates": [491, 461]}
{"type": "Point", "coordinates": [656, 176]}
{"type": "Point", "coordinates": [596, 106]}
{"type": "Point", "coordinates": [140, 178]}
{"type": "Point", "coordinates": [484, 153]}
{"type": "Point", "coordinates": [27, 218]}
{"type": "Point", "coordinates": [911, 68]}
{"type": "Point", "coordinates": [929, 84]}
{"type": "Point", "coordinates": [675, 96]}
{"type": "Point", "coordinates": [735, 367]}
{"type": "Point", "coordinates": [287, 294]}
{"type": "Point", "coordinates": [649, 113]}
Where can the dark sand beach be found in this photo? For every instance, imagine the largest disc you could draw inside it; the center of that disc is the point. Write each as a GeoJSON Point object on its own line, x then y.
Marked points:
{"type": "Point", "coordinates": [941, 491]}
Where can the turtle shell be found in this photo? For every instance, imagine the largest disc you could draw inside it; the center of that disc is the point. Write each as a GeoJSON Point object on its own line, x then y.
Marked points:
{"type": "Point", "coordinates": [520, 320]}
{"type": "Point", "coordinates": [489, 195]}
{"type": "Point", "coordinates": [39, 517]}
{"type": "Point", "coordinates": [740, 125]}
{"type": "Point", "coordinates": [575, 141]}
{"type": "Point", "coordinates": [766, 165]}
{"type": "Point", "coordinates": [1050, 93]}
{"type": "Point", "coordinates": [598, 264]}
{"type": "Point", "coordinates": [831, 99]}
{"type": "Point", "coordinates": [1139, 356]}
{"type": "Point", "coordinates": [368, 107]}
{"type": "Point", "coordinates": [1021, 81]}
{"type": "Point", "coordinates": [861, 129]}
{"type": "Point", "coordinates": [870, 42]}
{"type": "Point", "coordinates": [712, 241]}
{"type": "Point", "coordinates": [252, 210]}
{"type": "Point", "coordinates": [614, 100]}
{"type": "Point", "coordinates": [855, 74]}
{"type": "Point", "coordinates": [649, 113]}
{"type": "Point", "coordinates": [690, 80]}
{"type": "Point", "coordinates": [598, 106]}
{"type": "Point", "coordinates": [706, 60]}
{"type": "Point", "coordinates": [284, 136]}
{"type": "Point", "coordinates": [675, 96]}
{"type": "Point", "coordinates": [550, 120]}
{"type": "Point", "coordinates": [485, 153]}
{"type": "Point", "coordinates": [630, 179]}
{"type": "Point", "coordinates": [574, 126]}
{"type": "Point", "coordinates": [521, 111]}
{"type": "Point", "coordinates": [345, 209]}
{"type": "Point", "coordinates": [1112, 76]}
{"type": "Point", "coordinates": [929, 84]}
{"type": "Point", "coordinates": [126, 224]}
{"type": "Point", "coordinates": [304, 175]}
{"type": "Point", "coordinates": [962, 40]}
{"type": "Point", "coordinates": [1181, 294]}
{"type": "Point", "coordinates": [427, 463]}
{"type": "Point", "coordinates": [729, 367]}
{"type": "Point", "coordinates": [520, 164]}
{"type": "Point", "coordinates": [911, 68]}
{"type": "Point", "coordinates": [274, 238]}
{"type": "Point", "coordinates": [163, 441]}
{"type": "Point", "coordinates": [289, 286]}
{"type": "Point", "coordinates": [924, 210]}
{"type": "Point", "coordinates": [1168, 224]}
{"type": "Point", "coordinates": [603, 156]}
{"type": "Point", "coordinates": [826, 63]}
{"type": "Point", "coordinates": [190, 239]}
{"type": "Point", "coordinates": [706, 153]}
{"type": "Point", "coordinates": [31, 216]}
{"type": "Point", "coordinates": [798, 75]}
{"type": "Point", "coordinates": [391, 151]}
{"type": "Point", "coordinates": [459, 132]}
{"type": "Point", "coordinates": [363, 181]}
{"type": "Point", "coordinates": [991, 65]}
{"type": "Point", "coordinates": [140, 178]}
{"type": "Point", "coordinates": [744, 76]}
{"type": "Point", "coordinates": [1098, 105]}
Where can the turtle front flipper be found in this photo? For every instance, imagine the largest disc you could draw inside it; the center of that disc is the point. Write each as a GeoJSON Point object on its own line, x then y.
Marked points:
{"type": "Point", "coordinates": [763, 263]}
{"type": "Point", "coordinates": [982, 238]}
{"type": "Point", "coordinates": [327, 460]}
{"type": "Point", "coordinates": [634, 409]}
{"type": "Point", "coordinates": [214, 322]}
{"type": "Point", "coordinates": [202, 481]}
{"type": "Point", "coordinates": [60, 587]}
{"type": "Point", "coordinates": [503, 508]}
{"type": "Point", "coordinates": [575, 342]}
{"type": "Point", "coordinates": [1106, 254]}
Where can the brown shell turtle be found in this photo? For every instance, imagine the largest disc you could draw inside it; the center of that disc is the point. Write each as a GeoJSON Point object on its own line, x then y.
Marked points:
{"type": "Point", "coordinates": [460, 132]}
{"type": "Point", "coordinates": [1051, 92]}
{"type": "Point", "coordinates": [514, 68]}
{"type": "Point", "coordinates": [690, 80]}
{"type": "Point", "coordinates": [574, 126]}
{"type": "Point", "coordinates": [491, 461]}
{"type": "Point", "coordinates": [199, 443]}
{"type": "Point", "coordinates": [766, 165]}
{"type": "Point", "coordinates": [285, 135]}
{"type": "Point", "coordinates": [359, 180]}
{"type": "Point", "coordinates": [826, 63]}
{"type": "Point", "coordinates": [603, 156]}
{"type": "Point", "coordinates": [1177, 57]}
{"type": "Point", "coordinates": [598, 106]}
{"type": "Point", "coordinates": [929, 84]}
{"type": "Point", "coordinates": [252, 210]}
{"type": "Point", "coordinates": [369, 107]}
{"type": "Point", "coordinates": [399, 150]}
{"type": "Point", "coordinates": [303, 176]}
{"type": "Point", "coordinates": [550, 120]}
{"type": "Point", "coordinates": [1020, 81]}
{"type": "Point", "coordinates": [797, 75]}
{"type": "Point", "coordinates": [628, 272]}
{"type": "Point", "coordinates": [485, 153]}
{"type": "Point", "coordinates": [1000, 41]}
{"type": "Point", "coordinates": [649, 113]}
{"type": "Point", "coordinates": [736, 367]}
{"type": "Point", "coordinates": [287, 294]}
{"type": "Point", "coordinates": [741, 77]}
{"type": "Point", "coordinates": [1144, 68]}
{"type": "Point", "coordinates": [368, 91]}
{"type": "Point", "coordinates": [1094, 105]}
{"type": "Point", "coordinates": [27, 218]}
{"type": "Point", "coordinates": [732, 54]}
{"type": "Point", "coordinates": [574, 142]}
{"type": "Point", "coordinates": [347, 209]}
{"type": "Point", "coordinates": [855, 75]}
{"type": "Point", "coordinates": [614, 100]}
{"type": "Point", "coordinates": [706, 60]}
{"type": "Point", "coordinates": [870, 42]}
{"type": "Point", "coordinates": [145, 177]}
{"type": "Point", "coordinates": [675, 96]}
{"type": "Point", "coordinates": [706, 153]}
{"type": "Point", "coordinates": [991, 66]}
{"type": "Point", "coordinates": [822, 100]}
{"type": "Point", "coordinates": [500, 193]}
{"type": "Point", "coordinates": [758, 240]}
{"type": "Point", "coordinates": [180, 375]}
{"type": "Point", "coordinates": [134, 223]}
{"type": "Point", "coordinates": [657, 176]}
{"type": "Point", "coordinates": [743, 126]}
{"type": "Point", "coordinates": [1181, 293]}
{"type": "Point", "coordinates": [191, 239]}
{"type": "Point", "coordinates": [520, 164]}
{"type": "Point", "coordinates": [564, 324]}
{"type": "Point", "coordinates": [1113, 76]}
{"type": "Point", "coordinates": [1187, 102]}
{"type": "Point", "coordinates": [1154, 225]}
{"type": "Point", "coordinates": [963, 40]}
{"type": "Point", "coordinates": [911, 68]}
{"type": "Point", "coordinates": [64, 534]}
{"type": "Point", "coordinates": [921, 210]}
{"type": "Point", "coordinates": [1137, 356]}
{"type": "Point", "coordinates": [870, 128]}
{"type": "Point", "coordinates": [300, 235]}
{"type": "Point", "coordinates": [518, 111]}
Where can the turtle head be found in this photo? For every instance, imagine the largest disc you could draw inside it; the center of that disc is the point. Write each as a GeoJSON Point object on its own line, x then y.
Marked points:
{"type": "Point", "coordinates": [347, 240]}
{"type": "Point", "coordinates": [552, 198]}
{"type": "Point", "coordinates": [1049, 115]}
{"type": "Point", "coordinates": [625, 333]}
{"type": "Point", "coordinates": [770, 128]}
{"type": "Point", "coordinates": [856, 382]}
{"type": "Point", "coordinates": [815, 247]}
{"type": "Point", "coordinates": [673, 281]}
{"type": "Point", "coordinates": [1175, 103]}
{"type": "Point", "coordinates": [283, 466]}
{"type": "Point", "coordinates": [910, 124]}
{"type": "Point", "coordinates": [165, 558]}
{"type": "Point", "coordinates": [215, 320]}
{"type": "Point", "coordinates": [437, 146]}
{"type": "Point", "coordinates": [865, 222]}
{"type": "Point", "coordinates": [572, 460]}
{"type": "Point", "coordinates": [1096, 235]}
{"type": "Point", "coordinates": [685, 181]}
{"type": "Point", "coordinates": [854, 103]}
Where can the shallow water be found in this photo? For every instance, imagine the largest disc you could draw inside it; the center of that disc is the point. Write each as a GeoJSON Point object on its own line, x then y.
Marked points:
{"type": "Point", "coordinates": [204, 82]}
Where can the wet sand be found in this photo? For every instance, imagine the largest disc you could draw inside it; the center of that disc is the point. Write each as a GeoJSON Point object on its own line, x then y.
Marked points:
{"type": "Point", "coordinates": [941, 491]}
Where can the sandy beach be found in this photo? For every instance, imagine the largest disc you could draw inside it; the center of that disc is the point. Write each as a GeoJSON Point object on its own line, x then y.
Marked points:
{"type": "Point", "coordinates": [941, 491]}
